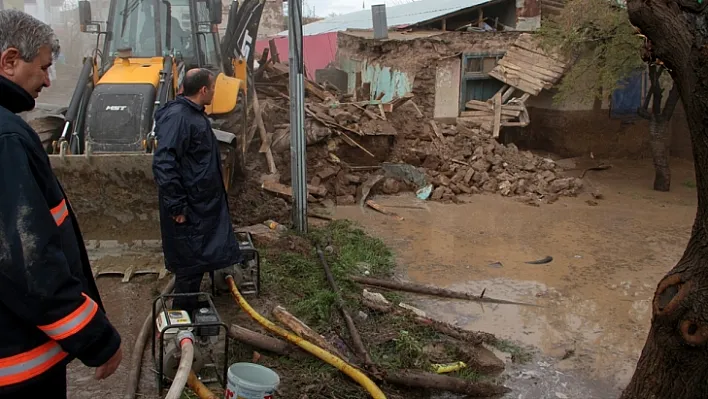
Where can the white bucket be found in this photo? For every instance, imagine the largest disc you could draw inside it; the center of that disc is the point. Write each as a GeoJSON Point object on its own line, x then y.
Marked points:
{"type": "Point", "coordinates": [251, 381]}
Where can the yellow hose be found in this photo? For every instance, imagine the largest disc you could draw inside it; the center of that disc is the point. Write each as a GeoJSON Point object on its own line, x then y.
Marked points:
{"type": "Point", "coordinates": [322, 354]}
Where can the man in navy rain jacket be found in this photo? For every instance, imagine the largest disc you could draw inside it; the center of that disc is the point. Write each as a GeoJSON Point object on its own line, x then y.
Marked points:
{"type": "Point", "coordinates": [50, 309]}
{"type": "Point", "coordinates": [197, 236]}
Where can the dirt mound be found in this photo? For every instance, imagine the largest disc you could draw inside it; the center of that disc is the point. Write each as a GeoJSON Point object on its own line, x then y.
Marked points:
{"type": "Point", "coordinates": [251, 205]}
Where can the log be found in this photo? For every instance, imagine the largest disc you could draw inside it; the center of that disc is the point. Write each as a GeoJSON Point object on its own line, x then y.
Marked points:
{"type": "Point", "coordinates": [303, 330]}
{"type": "Point", "coordinates": [359, 347]}
{"type": "Point", "coordinates": [423, 380]}
{"type": "Point", "coordinates": [474, 338]}
{"type": "Point", "coordinates": [260, 341]}
{"type": "Point", "coordinates": [435, 291]}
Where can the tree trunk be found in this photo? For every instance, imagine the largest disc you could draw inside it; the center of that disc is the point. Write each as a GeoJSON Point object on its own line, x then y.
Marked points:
{"type": "Point", "coordinates": [674, 361]}
{"type": "Point", "coordinates": [659, 142]}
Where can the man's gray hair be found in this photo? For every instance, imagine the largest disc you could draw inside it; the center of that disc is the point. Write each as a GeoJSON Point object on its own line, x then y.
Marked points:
{"type": "Point", "coordinates": [25, 33]}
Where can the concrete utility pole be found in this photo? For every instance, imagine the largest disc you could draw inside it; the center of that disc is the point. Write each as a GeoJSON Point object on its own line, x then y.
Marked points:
{"type": "Point", "coordinates": [298, 154]}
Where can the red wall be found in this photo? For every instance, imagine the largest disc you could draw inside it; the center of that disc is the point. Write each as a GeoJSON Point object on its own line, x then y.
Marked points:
{"type": "Point", "coordinates": [319, 51]}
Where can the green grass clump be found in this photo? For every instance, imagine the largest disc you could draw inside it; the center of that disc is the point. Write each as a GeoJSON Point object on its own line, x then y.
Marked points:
{"type": "Point", "coordinates": [298, 278]}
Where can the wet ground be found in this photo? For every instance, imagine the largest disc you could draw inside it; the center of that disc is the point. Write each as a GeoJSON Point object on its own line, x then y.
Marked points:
{"type": "Point", "coordinates": [596, 293]}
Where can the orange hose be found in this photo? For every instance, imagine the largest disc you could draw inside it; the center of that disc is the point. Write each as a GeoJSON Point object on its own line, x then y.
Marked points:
{"type": "Point", "coordinates": [199, 388]}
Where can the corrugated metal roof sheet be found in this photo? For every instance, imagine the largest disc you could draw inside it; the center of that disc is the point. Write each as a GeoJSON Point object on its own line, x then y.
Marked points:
{"type": "Point", "coordinates": [404, 14]}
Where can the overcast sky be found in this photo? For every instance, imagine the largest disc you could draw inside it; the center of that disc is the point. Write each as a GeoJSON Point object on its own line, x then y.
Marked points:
{"type": "Point", "coordinates": [323, 8]}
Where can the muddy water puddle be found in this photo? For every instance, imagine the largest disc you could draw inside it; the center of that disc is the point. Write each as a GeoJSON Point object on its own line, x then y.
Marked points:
{"type": "Point", "coordinates": [594, 296]}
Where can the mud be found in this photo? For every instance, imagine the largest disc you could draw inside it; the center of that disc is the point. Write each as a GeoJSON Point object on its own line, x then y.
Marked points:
{"type": "Point", "coordinates": [595, 293]}
{"type": "Point", "coordinates": [126, 307]}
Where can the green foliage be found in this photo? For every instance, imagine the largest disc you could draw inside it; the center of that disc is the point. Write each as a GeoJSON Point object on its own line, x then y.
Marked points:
{"type": "Point", "coordinates": [299, 279]}
{"type": "Point", "coordinates": [599, 36]}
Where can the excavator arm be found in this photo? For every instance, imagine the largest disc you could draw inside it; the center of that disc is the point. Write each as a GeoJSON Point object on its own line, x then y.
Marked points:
{"type": "Point", "coordinates": [239, 42]}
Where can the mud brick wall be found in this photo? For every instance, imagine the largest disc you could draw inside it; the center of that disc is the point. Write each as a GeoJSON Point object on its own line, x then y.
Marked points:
{"type": "Point", "coordinates": [418, 57]}
{"type": "Point", "coordinates": [579, 133]}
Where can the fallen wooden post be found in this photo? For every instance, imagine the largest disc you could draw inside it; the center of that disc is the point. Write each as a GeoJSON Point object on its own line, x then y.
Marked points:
{"type": "Point", "coordinates": [435, 291]}
{"type": "Point", "coordinates": [421, 379]}
{"type": "Point", "coordinates": [261, 341]}
{"type": "Point", "coordinates": [303, 330]}
{"type": "Point", "coordinates": [359, 347]}
{"type": "Point", "coordinates": [473, 337]}
{"type": "Point", "coordinates": [378, 208]}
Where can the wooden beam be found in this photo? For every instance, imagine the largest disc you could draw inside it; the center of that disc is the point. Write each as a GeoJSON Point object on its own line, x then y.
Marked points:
{"type": "Point", "coordinates": [273, 51]}
{"type": "Point", "coordinates": [497, 114]}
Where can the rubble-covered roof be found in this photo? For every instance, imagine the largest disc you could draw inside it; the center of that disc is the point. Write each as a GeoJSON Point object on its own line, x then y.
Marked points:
{"type": "Point", "coordinates": [404, 14]}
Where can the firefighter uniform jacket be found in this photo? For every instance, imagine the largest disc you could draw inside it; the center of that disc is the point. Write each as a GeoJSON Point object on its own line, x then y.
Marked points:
{"type": "Point", "coordinates": [50, 309]}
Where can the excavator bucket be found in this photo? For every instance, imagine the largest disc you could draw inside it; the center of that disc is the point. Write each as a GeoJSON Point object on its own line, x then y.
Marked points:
{"type": "Point", "coordinates": [110, 192]}
{"type": "Point", "coordinates": [115, 191]}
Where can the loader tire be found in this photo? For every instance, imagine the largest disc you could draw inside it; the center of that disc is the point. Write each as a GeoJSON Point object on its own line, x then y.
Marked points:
{"type": "Point", "coordinates": [233, 156]}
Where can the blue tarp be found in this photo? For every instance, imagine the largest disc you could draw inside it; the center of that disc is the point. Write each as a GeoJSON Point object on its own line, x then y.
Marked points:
{"type": "Point", "coordinates": [628, 97]}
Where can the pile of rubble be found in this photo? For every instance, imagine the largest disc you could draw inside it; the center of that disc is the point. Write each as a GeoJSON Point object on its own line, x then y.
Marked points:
{"type": "Point", "coordinates": [468, 160]}
{"type": "Point", "coordinates": [351, 139]}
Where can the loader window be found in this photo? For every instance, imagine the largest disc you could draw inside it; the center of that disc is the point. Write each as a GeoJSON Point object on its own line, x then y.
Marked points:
{"type": "Point", "coordinates": [207, 38]}
{"type": "Point", "coordinates": [133, 25]}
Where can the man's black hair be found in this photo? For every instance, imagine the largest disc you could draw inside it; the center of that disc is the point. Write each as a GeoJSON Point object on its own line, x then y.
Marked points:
{"type": "Point", "coordinates": [194, 81]}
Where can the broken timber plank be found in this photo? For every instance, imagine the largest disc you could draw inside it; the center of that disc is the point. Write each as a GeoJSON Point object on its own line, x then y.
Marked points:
{"type": "Point", "coordinates": [273, 51]}
{"type": "Point", "coordinates": [417, 110]}
{"type": "Point", "coordinates": [497, 114]}
{"type": "Point", "coordinates": [524, 76]}
{"type": "Point", "coordinates": [479, 105]}
{"type": "Point", "coordinates": [514, 124]}
{"type": "Point", "coordinates": [516, 81]}
{"type": "Point", "coordinates": [529, 72]}
{"type": "Point", "coordinates": [317, 91]}
{"type": "Point", "coordinates": [507, 94]}
{"type": "Point", "coordinates": [287, 191]}
{"type": "Point", "coordinates": [265, 138]}
{"type": "Point", "coordinates": [537, 59]}
{"type": "Point", "coordinates": [437, 132]}
{"type": "Point", "coordinates": [353, 143]}
{"type": "Point", "coordinates": [504, 112]}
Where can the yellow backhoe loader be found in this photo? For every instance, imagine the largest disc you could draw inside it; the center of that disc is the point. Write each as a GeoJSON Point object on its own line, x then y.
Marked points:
{"type": "Point", "coordinates": [102, 152]}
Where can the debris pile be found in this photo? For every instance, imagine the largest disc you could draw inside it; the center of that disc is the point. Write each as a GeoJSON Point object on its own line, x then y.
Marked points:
{"type": "Point", "coordinates": [463, 160]}
{"type": "Point", "coordinates": [351, 139]}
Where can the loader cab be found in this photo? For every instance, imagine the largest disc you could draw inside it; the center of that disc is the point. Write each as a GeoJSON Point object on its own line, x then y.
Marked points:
{"type": "Point", "coordinates": [183, 29]}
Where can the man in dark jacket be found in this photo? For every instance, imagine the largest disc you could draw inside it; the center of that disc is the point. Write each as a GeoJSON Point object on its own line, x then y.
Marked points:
{"type": "Point", "coordinates": [50, 309]}
{"type": "Point", "coordinates": [197, 236]}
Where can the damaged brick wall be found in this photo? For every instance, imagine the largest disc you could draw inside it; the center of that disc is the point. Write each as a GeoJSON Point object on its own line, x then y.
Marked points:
{"type": "Point", "coordinates": [568, 130]}
{"type": "Point", "coordinates": [418, 57]}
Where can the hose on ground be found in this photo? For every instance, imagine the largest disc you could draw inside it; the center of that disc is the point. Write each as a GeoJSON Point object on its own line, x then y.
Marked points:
{"type": "Point", "coordinates": [199, 388]}
{"type": "Point", "coordinates": [184, 369]}
{"type": "Point", "coordinates": [320, 353]}
{"type": "Point", "coordinates": [136, 357]}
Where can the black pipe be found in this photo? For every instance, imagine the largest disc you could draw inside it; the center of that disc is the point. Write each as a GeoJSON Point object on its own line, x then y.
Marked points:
{"type": "Point", "coordinates": [75, 102]}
